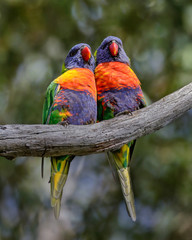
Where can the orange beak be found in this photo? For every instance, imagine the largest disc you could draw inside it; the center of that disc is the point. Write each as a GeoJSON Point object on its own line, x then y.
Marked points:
{"type": "Point", "coordinates": [113, 49]}
{"type": "Point", "coordinates": [86, 54]}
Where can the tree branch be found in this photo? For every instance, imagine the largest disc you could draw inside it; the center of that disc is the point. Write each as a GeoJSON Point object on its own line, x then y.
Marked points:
{"type": "Point", "coordinates": [55, 140]}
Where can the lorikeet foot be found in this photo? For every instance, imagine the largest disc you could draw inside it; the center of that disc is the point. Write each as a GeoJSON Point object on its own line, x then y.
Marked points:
{"type": "Point", "coordinates": [64, 123]}
{"type": "Point", "coordinates": [127, 112]}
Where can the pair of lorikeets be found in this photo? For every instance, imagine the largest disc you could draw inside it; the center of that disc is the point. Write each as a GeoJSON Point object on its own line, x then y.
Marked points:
{"type": "Point", "coordinates": [89, 90]}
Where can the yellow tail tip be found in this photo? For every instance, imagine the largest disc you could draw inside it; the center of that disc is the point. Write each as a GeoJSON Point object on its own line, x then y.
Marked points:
{"type": "Point", "coordinates": [57, 209]}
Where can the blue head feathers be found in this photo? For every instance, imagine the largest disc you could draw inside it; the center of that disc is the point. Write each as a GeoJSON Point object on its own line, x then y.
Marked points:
{"type": "Point", "coordinates": [80, 56]}
{"type": "Point", "coordinates": [111, 50]}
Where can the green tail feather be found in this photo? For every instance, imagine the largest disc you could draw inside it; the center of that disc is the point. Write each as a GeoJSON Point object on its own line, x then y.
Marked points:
{"type": "Point", "coordinates": [122, 159]}
{"type": "Point", "coordinates": [125, 180]}
{"type": "Point", "coordinates": [59, 171]}
{"type": "Point", "coordinates": [57, 206]}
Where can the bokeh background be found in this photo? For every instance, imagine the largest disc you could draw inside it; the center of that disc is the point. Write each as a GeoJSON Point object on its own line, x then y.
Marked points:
{"type": "Point", "coordinates": [35, 37]}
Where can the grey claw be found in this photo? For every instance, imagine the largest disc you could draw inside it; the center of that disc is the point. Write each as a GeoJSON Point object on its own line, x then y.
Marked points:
{"type": "Point", "coordinates": [127, 112]}
{"type": "Point", "coordinates": [64, 123]}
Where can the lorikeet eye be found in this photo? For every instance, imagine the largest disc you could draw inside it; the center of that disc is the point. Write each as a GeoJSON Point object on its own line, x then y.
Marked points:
{"type": "Point", "coordinates": [72, 53]}
{"type": "Point", "coordinates": [103, 47]}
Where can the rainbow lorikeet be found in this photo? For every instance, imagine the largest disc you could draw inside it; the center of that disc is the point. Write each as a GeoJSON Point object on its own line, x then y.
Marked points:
{"type": "Point", "coordinates": [118, 90]}
{"type": "Point", "coordinates": [70, 99]}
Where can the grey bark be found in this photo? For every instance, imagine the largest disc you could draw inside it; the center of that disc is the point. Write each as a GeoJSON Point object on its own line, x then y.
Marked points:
{"type": "Point", "coordinates": [55, 140]}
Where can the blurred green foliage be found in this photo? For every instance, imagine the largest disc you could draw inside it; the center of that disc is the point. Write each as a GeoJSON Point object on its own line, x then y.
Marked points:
{"type": "Point", "coordinates": [35, 37]}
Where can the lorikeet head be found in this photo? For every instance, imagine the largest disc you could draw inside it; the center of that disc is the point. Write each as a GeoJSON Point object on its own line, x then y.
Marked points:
{"type": "Point", "coordinates": [111, 50]}
{"type": "Point", "coordinates": [80, 56]}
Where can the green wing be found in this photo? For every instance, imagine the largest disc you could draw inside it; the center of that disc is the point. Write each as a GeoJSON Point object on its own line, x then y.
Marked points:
{"type": "Point", "coordinates": [52, 90]}
{"type": "Point", "coordinates": [95, 56]}
{"type": "Point", "coordinates": [104, 112]}
{"type": "Point", "coordinates": [142, 103]}
{"type": "Point", "coordinates": [64, 69]}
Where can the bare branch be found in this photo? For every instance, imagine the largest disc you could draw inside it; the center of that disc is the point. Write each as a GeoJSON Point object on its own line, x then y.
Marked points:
{"type": "Point", "coordinates": [55, 140]}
